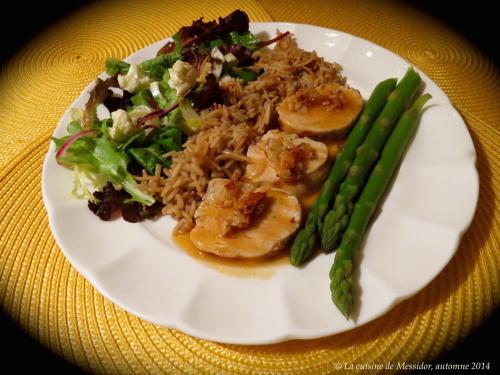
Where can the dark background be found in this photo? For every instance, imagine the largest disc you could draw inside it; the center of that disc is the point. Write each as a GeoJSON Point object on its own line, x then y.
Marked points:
{"type": "Point", "coordinates": [475, 21]}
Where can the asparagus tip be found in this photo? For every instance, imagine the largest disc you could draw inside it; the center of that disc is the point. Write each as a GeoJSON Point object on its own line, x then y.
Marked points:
{"type": "Point", "coordinates": [341, 282]}
{"type": "Point", "coordinates": [343, 304]}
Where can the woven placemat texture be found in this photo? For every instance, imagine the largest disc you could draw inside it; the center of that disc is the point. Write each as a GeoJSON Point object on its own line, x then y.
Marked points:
{"type": "Point", "coordinates": [41, 291]}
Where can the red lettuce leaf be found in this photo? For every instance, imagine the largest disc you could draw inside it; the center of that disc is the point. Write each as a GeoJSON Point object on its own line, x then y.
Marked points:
{"type": "Point", "coordinates": [236, 21]}
{"type": "Point", "coordinates": [98, 95]}
{"type": "Point", "coordinates": [201, 31]}
{"type": "Point", "coordinates": [243, 54]}
{"type": "Point", "coordinates": [113, 103]}
{"type": "Point", "coordinates": [167, 48]}
{"type": "Point", "coordinates": [198, 32]}
{"type": "Point", "coordinates": [209, 94]}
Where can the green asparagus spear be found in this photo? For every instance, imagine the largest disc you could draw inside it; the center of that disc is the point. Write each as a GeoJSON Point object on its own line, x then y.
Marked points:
{"type": "Point", "coordinates": [337, 218]}
{"type": "Point", "coordinates": [341, 271]}
{"type": "Point", "coordinates": [306, 239]}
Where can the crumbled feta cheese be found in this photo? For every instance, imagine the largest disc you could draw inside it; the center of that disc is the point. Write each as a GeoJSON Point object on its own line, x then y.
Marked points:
{"type": "Point", "coordinates": [124, 122]}
{"type": "Point", "coordinates": [134, 80]}
{"type": "Point", "coordinates": [182, 76]}
{"type": "Point", "coordinates": [216, 54]}
{"type": "Point", "coordinates": [137, 112]}
{"type": "Point", "coordinates": [230, 59]}
{"type": "Point", "coordinates": [155, 89]}
{"type": "Point", "coordinates": [217, 69]}
{"type": "Point", "coordinates": [122, 125]}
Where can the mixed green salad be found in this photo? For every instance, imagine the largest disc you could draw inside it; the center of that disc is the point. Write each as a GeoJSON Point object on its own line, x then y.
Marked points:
{"type": "Point", "coordinates": [153, 107]}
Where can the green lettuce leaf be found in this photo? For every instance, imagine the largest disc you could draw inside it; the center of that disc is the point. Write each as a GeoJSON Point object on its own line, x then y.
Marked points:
{"type": "Point", "coordinates": [247, 39]}
{"type": "Point", "coordinates": [114, 66]}
{"type": "Point", "coordinates": [149, 157]}
{"type": "Point", "coordinates": [141, 98]}
{"type": "Point", "coordinates": [100, 157]}
{"type": "Point", "coordinates": [156, 67]}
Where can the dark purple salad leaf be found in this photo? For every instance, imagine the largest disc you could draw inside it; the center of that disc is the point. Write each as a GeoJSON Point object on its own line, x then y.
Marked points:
{"type": "Point", "coordinates": [207, 94]}
{"type": "Point", "coordinates": [236, 21]}
{"type": "Point", "coordinates": [98, 95]}
{"type": "Point", "coordinates": [167, 48]}
{"type": "Point", "coordinates": [135, 212]}
{"type": "Point", "coordinates": [114, 103]}
{"type": "Point", "coordinates": [198, 32]}
{"type": "Point", "coordinates": [201, 31]}
{"type": "Point", "coordinates": [194, 57]}
{"type": "Point", "coordinates": [243, 54]}
{"type": "Point", "coordinates": [109, 201]}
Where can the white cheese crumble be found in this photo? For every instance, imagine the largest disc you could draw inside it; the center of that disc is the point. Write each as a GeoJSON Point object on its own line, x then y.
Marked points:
{"type": "Point", "coordinates": [138, 112]}
{"type": "Point", "coordinates": [217, 55]}
{"type": "Point", "coordinates": [155, 89]}
{"type": "Point", "coordinates": [134, 80]}
{"type": "Point", "coordinates": [124, 122]}
{"type": "Point", "coordinates": [182, 77]}
{"type": "Point", "coordinates": [230, 59]}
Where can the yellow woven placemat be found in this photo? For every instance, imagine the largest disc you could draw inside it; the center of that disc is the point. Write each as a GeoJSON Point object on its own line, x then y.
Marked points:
{"type": "Point", "coordinates": [58, 307]}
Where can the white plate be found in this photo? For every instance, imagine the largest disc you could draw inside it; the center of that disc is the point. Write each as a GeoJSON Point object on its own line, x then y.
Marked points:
{"type": "Point", "coordinates": [415, 234]}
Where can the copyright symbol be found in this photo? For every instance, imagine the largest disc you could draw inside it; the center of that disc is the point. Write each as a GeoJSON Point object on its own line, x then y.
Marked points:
{"type": "Point", "coordinates": [338, 365]}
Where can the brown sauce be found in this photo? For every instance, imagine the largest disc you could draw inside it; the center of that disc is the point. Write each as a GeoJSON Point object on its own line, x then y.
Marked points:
{"type": "Point", "coordinates": [333, 145]}
{"type": "Point", "coordinates": [264, 267]}
{"type": "Point", "coordinates": [307, 202]}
